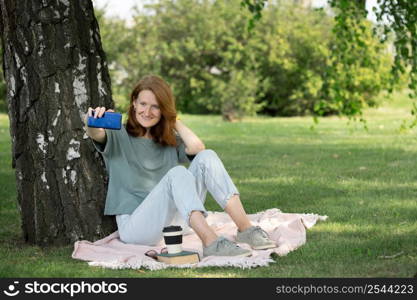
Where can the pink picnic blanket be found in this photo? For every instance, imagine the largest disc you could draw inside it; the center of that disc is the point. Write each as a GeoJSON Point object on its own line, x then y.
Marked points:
{"type": "Point", "coordinates": [288, 230]}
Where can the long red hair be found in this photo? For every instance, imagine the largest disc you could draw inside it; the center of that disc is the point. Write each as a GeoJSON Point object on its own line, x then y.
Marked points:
{"type": "Point", "coordinates": [163, 132]}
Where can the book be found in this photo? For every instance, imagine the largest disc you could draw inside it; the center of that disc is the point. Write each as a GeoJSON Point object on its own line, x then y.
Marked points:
{"type": "Point", "coordinates": [184, 257]}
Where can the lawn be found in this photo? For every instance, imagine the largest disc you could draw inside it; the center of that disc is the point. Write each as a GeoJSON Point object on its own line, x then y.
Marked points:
{"type": "Point", "coordinates": [365, 181]}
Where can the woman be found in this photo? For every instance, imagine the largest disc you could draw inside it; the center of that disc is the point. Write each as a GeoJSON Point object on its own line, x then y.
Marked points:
{"type": "Point", "coordinates": [148, 187]}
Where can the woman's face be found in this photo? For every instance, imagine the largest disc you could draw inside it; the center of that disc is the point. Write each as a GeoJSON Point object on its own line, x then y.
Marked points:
{"type": "Point", "coordinates": [147, 109]}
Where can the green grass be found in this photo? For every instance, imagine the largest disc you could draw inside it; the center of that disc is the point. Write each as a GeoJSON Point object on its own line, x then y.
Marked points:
{"type": "Point", "coordinates": [365, 181]}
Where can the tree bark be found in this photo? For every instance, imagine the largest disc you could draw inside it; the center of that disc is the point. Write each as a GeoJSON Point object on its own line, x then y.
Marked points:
{"type": "Point", "coordinates": [55, 68]}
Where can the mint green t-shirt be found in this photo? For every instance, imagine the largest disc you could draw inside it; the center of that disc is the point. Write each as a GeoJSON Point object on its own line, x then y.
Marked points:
{"type": "Point", "coordinates": [135, 165]}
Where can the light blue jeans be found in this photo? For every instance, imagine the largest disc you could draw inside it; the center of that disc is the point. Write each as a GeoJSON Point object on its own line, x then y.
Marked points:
{"type": "Point", "coordinates": [172, 200]}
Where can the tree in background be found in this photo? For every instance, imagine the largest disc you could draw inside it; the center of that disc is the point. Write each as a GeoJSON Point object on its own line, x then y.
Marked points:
{"type": "Point", "coordinates": [199, 48]}
{"type": "Point", "coordinates": [397, 19]}
{"type": "Point", "coordinates": [291, 64]}
{"type": "Point", "coordinates": [298, 62]}
{"type": "Point", "coordinates": [119, 46]}
{"type": "Point", "coordinates": [55, 69]}
{"type": "Point", "coordinates": [215, 65]}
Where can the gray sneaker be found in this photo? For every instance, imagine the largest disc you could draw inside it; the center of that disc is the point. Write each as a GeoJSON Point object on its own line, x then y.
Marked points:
{"type": "Point", "coordinates": [224, 247]}
{"type": "Point", "coordinates": [256, 237]}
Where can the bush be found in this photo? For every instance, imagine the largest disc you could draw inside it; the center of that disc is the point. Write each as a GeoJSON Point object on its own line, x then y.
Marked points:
{"type": "Point", "coordinates": [300, 66]}
{"type": "Point", "coordinates": [202, 48]}
{"type": "Point", "coordinates": [199, 48]}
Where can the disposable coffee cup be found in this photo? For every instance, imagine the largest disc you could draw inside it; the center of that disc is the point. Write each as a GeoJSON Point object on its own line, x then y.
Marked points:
{"type": "Point", "coordinates": [173, 239]}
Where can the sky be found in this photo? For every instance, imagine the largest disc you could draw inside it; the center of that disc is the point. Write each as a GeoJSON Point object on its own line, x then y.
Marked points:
{"type": "Point", "coordinates": [120, 8]}
{"type": "Point", "coordinates": [123, 8]}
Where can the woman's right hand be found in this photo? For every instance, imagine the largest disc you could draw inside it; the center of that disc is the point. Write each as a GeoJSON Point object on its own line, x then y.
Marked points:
{"type": "Point", "coordinates": [97, 134]}
{"type": "Point", "coordinates": [98, 112]}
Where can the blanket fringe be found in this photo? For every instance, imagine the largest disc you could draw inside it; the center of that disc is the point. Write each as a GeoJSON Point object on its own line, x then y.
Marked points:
{"type": "Point", "coordinates": [154, 265]}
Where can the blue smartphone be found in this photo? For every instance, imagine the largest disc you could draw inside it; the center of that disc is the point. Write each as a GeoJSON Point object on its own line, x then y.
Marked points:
{"type": "Point", "coordinates": [110, 120]}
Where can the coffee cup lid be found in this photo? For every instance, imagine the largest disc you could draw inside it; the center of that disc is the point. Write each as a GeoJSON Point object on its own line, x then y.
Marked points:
{"type": "Point", "coordinates": [172, 228]}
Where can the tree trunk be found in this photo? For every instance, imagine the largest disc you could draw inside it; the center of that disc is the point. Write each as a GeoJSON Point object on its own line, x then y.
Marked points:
{"type": "Point", "coordinates": [55, 69]}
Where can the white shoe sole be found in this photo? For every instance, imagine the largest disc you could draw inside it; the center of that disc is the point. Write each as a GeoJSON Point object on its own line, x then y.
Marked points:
{"type": "Point", "coordinates": [239, 255]}
{"type": "Point", "coordinates": [264, 247]}
{"type": "Point", "coordinates": [243, 255]}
